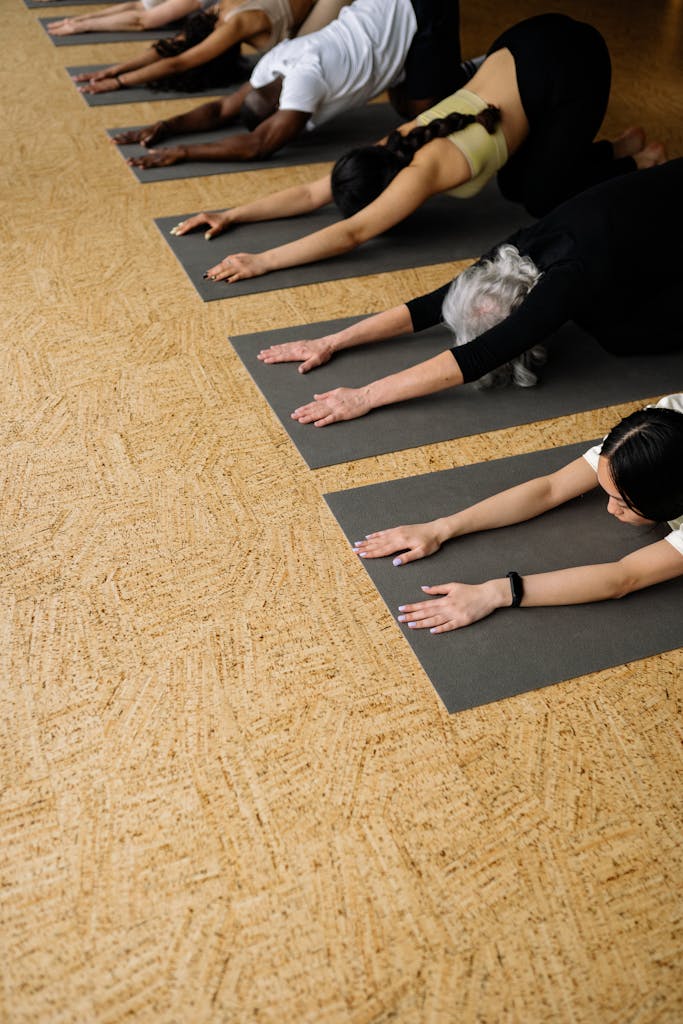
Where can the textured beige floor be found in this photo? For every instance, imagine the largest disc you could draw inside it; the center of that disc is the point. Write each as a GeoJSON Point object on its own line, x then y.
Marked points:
{"type": "Point", "coordinates": [229, 793]}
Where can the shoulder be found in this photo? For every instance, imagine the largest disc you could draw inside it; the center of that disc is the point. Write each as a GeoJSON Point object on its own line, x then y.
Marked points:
{"type": "Point", "coordinates": [674, 402]}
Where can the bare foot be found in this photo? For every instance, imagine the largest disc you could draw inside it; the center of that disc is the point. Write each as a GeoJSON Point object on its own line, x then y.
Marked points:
{"type": "Point", "coordinates": [651, 155]}
{"type": "Point", "coordinates": [629, 143]}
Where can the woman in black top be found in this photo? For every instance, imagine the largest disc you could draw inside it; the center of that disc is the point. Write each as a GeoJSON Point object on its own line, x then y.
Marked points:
{"type": "Point", "coordinates": [531, 112]}
{"type": "Point", "coordinates": [609, 259]}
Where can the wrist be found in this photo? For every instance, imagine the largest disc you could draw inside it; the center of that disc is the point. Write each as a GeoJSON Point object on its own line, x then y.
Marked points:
{"type": "Point", "coordinates": [339, 341]}
{"type": "Point", "coordinates": [442, 530]}
{"type": "Point", "coordinates": [377, 393]}
{"type": "Point", "coordinates": [500, 592]}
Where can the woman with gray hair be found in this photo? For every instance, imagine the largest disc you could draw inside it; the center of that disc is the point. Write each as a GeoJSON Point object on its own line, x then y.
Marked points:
{"type": "Point", "coordinates": [607, 259]}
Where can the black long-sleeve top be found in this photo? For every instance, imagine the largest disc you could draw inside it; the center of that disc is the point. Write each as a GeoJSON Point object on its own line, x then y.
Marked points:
{"type": "Point", "coordinates": [608, 259]}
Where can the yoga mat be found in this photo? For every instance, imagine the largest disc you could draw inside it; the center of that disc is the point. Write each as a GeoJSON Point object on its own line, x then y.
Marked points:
{"type": "Point", "coordinates": [142, 93]}
{"type": "Point", "coordinates": [69, 3]}
{"type": "Point", "coordinates": [363, 125]}
{"type": "Point", "coordinates": [443, 229]}
{"type": "Point", "coordinates": [514, 650]}
{"type": "Point", "coordinates": [83, 38]}
{"type": "Point", "coordinates": [579, 375]}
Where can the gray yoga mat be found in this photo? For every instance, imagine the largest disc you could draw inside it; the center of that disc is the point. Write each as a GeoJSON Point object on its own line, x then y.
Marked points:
{"type": "Point", "coordinates": [141, 94]}
{"type": "Point", "coordinates": [363, 125]}
{"type": "Point", "coordinates": [83, 38]}
{"type": "Point", "coordinates": [513, 650]}
{"type": "Point", "coordinates": [579, 375]}
{"type": "Point", "coordinates": [441, 230]}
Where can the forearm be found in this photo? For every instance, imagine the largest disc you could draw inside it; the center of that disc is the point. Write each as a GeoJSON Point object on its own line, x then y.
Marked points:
{"type": "Point", "coordinates": [206, 117]}
{"type": "Point", "coordinates": [114, 21]}
{"type": "Point", "coordinates": [150, 70]}
{"type": "Point", "coordinates": [434, 374]}
{"type": "Point", "coordinates": [389, 324]}
{"type": "Point", "coordinates": [643, 568]}
{"type": "Point", "coordinates": [290, 202]}
{"type": "Point", "coordinates": [148, 57]}
{"type": "Point", "coordinates": [225, 149]}
{"type": "Point", "coordinates": [515, 505]}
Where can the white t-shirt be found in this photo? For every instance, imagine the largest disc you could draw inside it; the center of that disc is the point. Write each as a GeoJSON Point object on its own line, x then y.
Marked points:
{"type": "Point", "coordinates": [674, 402]}
{"type": "Point", "coordinates": [346, 63]}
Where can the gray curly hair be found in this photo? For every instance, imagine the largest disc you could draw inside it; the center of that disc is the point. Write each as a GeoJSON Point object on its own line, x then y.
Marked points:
{"type": "Point", "coordinates": [484, 295]}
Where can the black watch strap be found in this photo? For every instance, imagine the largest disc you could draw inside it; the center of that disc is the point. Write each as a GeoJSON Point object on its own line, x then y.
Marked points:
{"type": "Point", "coordinates": [517, 588]}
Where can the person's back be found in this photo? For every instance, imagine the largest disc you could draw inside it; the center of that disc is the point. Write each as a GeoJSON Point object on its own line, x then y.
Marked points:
{"type": "Point", "coordinates": [352, 59]}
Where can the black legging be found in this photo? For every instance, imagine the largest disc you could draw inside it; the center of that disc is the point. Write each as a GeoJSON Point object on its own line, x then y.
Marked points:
{"type": "Point", "coordinates": [432, 67]}
{"type": "Point", "coordinates": [563, 74]}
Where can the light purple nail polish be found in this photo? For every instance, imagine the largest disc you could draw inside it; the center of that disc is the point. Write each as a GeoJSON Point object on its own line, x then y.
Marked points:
{"type": "Point", "coordinates": [401, 607]}
{"type": "Point", "coordinates": [397, 561]}
{"type": "Point", "coordinates": [401, 618]}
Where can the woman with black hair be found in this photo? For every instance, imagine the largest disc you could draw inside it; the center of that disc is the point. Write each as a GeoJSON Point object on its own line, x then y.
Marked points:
{"type": "Point", "coordinates": [206, 53]}
{"type": "Point", "coordinates": [526, 115]}
{"type": "Point", "coordinates": [638, 465]}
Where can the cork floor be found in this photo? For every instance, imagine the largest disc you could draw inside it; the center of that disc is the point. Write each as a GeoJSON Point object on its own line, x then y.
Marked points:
{"type": "Point", "coordinates": [229, 793]}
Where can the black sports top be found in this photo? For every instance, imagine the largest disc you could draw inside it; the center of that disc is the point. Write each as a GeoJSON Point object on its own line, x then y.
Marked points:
{"type": "Point", "coordinates": [601, 253]}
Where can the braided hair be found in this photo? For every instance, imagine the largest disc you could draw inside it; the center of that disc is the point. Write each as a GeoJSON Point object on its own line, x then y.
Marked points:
{"type": "Point", "coordinates": [361, 175]}
{"type": "Point", "coordinates": [224, 69]}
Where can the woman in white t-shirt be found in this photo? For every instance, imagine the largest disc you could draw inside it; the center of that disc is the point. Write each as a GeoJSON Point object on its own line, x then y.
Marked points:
{"type": "Point", "coordinates": [638, 465]}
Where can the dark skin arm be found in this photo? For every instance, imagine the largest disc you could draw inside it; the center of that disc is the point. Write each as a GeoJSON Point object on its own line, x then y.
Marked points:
{"type": "Point", "coordinates": [273, 133]}
{"type": "Point", "coordinates": [206, 118]}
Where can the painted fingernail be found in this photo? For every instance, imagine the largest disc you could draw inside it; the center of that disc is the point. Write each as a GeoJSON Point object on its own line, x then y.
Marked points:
{"type": "Point", "coordinates": [397, 561]}
{"type": "Point", "coordinates": [207, 234]}
{"type": "Point", "coordinates": [401, 618]}
{"type": "Point", "coordinates": [424, 588]}
{"type": "Point", "coordinates": [433, 629]}
{"type": "Point", "coordinates": [412, 625]}
{"type": "Point", "coordinates": [401, 607]}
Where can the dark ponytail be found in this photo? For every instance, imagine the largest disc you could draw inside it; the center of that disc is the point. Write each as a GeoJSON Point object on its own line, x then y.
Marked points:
{"type": "Point", "coordinates": [645, 456]}
{"type": "Point", "coordinates": [226, 68]}
{"type": "Point", "coordinates": [363, 174]}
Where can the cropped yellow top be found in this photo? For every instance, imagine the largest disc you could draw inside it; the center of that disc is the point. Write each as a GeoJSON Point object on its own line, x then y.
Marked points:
{"type": "Point", "coordinates": [485, 153]}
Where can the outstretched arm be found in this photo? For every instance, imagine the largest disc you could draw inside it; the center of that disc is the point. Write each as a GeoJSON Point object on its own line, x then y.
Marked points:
{"type": "Point", "coordinates": [463, 604]}
{"type": "Point", "coordinates": [514, 505]}
{"type": "Point", "coordinates": [409, 189]}
{"type": "Point", "coordinates": [221, 39]}
{"type": "Point", "coordinates": [435, 374]}
{"type": "Point", "coordinates": [124, 17]}
{"type": "Point", "coordinates": [290, 202]}
{"type": "Point", "coordinates": [108, 74]}
{"type": "Point", "coordinates": [273, 133]}
{"type": "Point", "coordinates": [389, 324]}
{"type": "Point", "coordinates": [205, 118]}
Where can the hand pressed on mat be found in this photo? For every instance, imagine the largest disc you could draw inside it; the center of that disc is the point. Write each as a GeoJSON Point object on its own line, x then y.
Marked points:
{"type": "Point", "coordinates": [461, 605]}
{"type": "Point", "coordinates": [334, 406]}
{"type": "Point", "coordinates": [313, 353]}
{"type": "Point", "coordinates": [417, 541]}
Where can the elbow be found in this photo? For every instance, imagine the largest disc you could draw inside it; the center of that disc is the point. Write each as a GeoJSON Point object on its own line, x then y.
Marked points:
{"type": "Point", "coordinates": [254, 148]}
{"type": "Point", "coordinates": [623, 583]}
{"type": "Point", "coordinates": [354, 236]}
